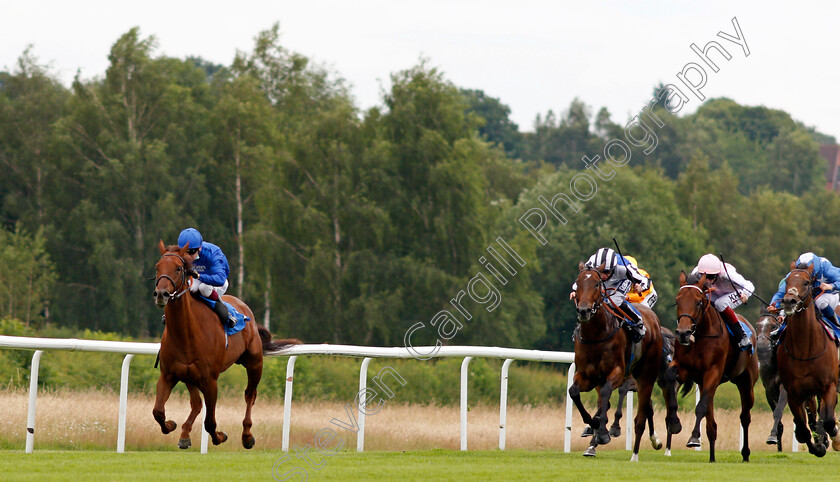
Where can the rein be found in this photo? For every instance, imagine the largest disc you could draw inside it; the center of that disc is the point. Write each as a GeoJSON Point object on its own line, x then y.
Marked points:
{"type": "Point", "coordinates": [182, 281]}
{"type": "Point", "coordinates": [695, 320]}
{"type": "Point", "coordinates": [802, 304]}
{"type": "Point", "coordinates": [597, 306]}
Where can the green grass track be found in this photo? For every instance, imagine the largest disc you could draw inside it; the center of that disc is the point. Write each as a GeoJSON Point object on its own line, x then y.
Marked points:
{"type": "Point", "coordinates": [425, 465]}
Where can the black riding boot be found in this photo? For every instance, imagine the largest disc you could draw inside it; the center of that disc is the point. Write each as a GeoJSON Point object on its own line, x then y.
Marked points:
{"type": "Point", "coordinates": [221, 310]}
{"type": "Point", "coordinates": [731, 319]}
{"type": "Point", "coordinates": [635, 325]}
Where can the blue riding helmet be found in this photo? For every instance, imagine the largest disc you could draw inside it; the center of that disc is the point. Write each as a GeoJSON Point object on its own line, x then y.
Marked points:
{"type": "Point", "coordinates": [191, 236]}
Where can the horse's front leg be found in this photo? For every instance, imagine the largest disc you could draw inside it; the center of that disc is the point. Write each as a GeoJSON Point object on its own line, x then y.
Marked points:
{"type": "Point", "coordinates": [707, 395]}
{"type": "Point", "coordinates": [574, 394]}
{"type": "Point", "coordinates": [778, 427]}
{"type": "Point", "coordinates": [195, 408]}
{"type": "Point", "coordinates": [210, 395]}
{"type": "Point", "coordinates": [669, 393]}
{"type": "Point", "coordinates": [801, 429]}
{"type": "Point", "coordinates": [829, 401]}
{"type": "Point", "coordinates": [615, 428]}
{"type": "Point", "coordinates": [164, 389]}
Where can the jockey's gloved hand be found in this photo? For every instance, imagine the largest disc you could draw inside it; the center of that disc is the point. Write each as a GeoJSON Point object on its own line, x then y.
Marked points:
{"type": "Point", "coordinates": [194, 286]}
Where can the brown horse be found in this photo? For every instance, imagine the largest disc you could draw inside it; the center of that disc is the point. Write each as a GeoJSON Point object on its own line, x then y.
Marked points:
{"type": "Point", "coordinates": [194, 349]}
{"type": "Point", "coordinates": [705, 356]}
{"type": "Point", "coordinates": [807, 361]}
{"type": "Point", "coordinates": [602, 354]}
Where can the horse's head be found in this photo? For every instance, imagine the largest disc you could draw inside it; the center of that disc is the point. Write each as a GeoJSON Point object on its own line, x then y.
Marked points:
{"type": "Point", "coordinates": [692, 303]}
{"type": "Point", "coordinates": [171, 272]}
{"type": "Point", "coordinates": [590, 292]}
{"type": "Point", "coordinates": [799, 289]}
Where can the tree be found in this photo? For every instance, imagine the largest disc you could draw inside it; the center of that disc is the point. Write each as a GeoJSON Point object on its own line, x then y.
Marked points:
{"type": "Point", "coordinates": [26, 275]}
{"type": "Point", "coordinates": [497, 127]}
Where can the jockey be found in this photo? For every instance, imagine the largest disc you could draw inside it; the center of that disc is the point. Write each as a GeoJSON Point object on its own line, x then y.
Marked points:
{"type": "Point", "coordinates": [210, 270]}
{"type": "Point", "coordinates": [829, 281]}
{"type": "Point", "coordinates": [728, 290]}
{"type": "Point", "coordinates": [619, 275]}
{"type": "Point", "coordinates": [637, 294]}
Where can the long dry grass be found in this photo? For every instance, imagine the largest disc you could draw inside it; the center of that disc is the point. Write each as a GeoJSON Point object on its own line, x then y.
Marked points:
{"type": "Point", "coordinates": [87, 420]}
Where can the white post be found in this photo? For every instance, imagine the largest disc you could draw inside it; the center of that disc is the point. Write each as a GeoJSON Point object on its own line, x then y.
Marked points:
{"type": "Point", "coordinates": [629, 435]}
{"type": "Point", "coordinates": [702, 422]}
{"type": "Point", "coordinates": [464, 382]}
{"type": "Point", "coordinates": [33, 399]}
{"type": "Point", "coordinates": [503, 403]}
{"type": "Point", "coordinates": [795, 445]}
{"type": "Point", "coordinates": [123, 403]}
{"type": "Point", "coordinates": [567, 440]}
{"type": "Point", "coordinates": [205, 435]}
{"type": "Point", "coordinates": [360, 436]}
{"type": "Point", "coordinates": [287, 402]}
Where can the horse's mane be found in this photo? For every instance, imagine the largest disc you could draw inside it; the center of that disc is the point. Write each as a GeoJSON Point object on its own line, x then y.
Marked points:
{"type": "Point", "coordinates": [693, 279]}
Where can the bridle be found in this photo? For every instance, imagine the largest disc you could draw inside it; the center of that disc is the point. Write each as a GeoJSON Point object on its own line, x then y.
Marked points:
{"type": "Point", "coordinates": [802, 302]}
{"type": "Point", "coordinates": [602, 289]}
{"type": "Point", "coordinates": [705, 306]}
{"type": "Point", "coordinates": [182, 282]}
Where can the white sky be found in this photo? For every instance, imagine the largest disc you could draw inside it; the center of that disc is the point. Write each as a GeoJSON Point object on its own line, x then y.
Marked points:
{"type": "Point", "coordinates": [533, 55]}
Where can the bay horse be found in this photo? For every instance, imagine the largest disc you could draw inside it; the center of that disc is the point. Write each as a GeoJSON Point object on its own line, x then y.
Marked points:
{"type": "Point", "coordinates": [704, 355]}
{"type": "Point", "coordinates": [195, 350]}
{"type": "Point", "coordinates": [807, 361]}
{"type": "Point", "coordinates": [630, 386]}
{"type": "Point", "coordinates": [602, 355]}
{"type": "Point", "coordinates": [769, 373]}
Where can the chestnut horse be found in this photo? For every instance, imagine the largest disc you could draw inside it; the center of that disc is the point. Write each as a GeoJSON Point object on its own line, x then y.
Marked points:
{"type": "Point", "coordinates": [194, 349]}
{"type": "Point", "coordinates": [705, 356]}
{"type": "Point", "coordinates": [807, 361]}
{"type": "Point", "coordinates": [602, 354]}
{"type": "Point", "coordinates": [768, 370]}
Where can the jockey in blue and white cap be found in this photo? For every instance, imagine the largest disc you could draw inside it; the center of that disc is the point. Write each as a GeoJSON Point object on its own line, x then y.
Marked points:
{"type": "Point", "coordinates": [211, 270]}
{"type": "Point", "coordinates": [828, 276]}
{"type": "Point", "coordinates": [619, 275]}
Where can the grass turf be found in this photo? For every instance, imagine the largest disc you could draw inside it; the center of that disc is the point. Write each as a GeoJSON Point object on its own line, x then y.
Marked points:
{"type": "Point", "coordinates": [425, 465]}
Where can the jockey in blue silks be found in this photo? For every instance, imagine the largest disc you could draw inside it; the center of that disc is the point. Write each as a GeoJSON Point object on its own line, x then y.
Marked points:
{"type": "Point", "coordinates": [827, 298]}
{"type": "Point", "coordinates": [619, 275]}
{"type": "Point", "coordinates": [211, 270]}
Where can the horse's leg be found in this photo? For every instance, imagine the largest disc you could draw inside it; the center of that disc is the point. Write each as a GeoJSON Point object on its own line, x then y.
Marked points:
{"type": "Point", "coordinates": [745, 388]}
{"type": "Point", "coordinates": [210, 391]}
{"type": "Point", "coordinates": [711, 427]}
{"type": "Point", "coordinates": [800, 427]}
{"type": "Point", "coordinates": [602, 435]}
{"type": "Point", "coordinates": [710, 384]}
{"type": "Point", "coordinates": [574, 394]}
{"type": "Point", "coordinates": [254, 374]}
{"type": "Point", "coordinates": [778, 428]}
{"type": "Point", "coordinates": [672, 420]}
{"type": "Point", "coordinates": [615, 428]}
{"type": "Point", "coordinates": [164, 389]}
{"type": "Point", "coordinates": [829, 401]}
{"type": "Point", "coordinates": [643, 413]}
{"type": "Point", "coordinates": [195, 408]}
{"type": "Point", "coordinates": [589, 429]}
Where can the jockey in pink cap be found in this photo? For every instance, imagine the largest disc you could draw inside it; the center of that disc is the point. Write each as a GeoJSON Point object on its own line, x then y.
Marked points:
{"type": "Point", "coordinates": [728, 290]}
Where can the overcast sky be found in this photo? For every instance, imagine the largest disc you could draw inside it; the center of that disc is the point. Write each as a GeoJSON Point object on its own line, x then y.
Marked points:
{"type": "Point", "coordinates": [533, 55]}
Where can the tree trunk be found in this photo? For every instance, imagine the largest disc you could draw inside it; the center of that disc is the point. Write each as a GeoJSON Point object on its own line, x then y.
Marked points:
{"type": "Point", "coordinates": [267, 299]}
{"type": "Point", "coordinates": [240, 275]}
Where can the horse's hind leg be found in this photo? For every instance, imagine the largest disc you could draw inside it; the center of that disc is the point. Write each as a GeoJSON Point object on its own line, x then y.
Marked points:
{"type": "Point", "coordinates": [164, 389]}
{"type": "Point", "coordinates": [827, 414]}
{"type": "Point", "coordinates": [210, 391]}
{"type": "Point", "coordinates": [195, 408]}
{"type": "Point", "coordinates": [778, 428]}
{"type": "Point", "coordinates": [254, 374]}
{"type": "Point", "coordinates": [643, 413]}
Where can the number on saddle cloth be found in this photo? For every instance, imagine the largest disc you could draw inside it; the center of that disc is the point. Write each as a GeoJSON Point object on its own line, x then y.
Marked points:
{"type": "Point", "coordinates": [238, 318]}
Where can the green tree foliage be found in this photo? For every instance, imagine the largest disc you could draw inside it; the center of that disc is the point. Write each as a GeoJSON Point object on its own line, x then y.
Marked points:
{"type": "Point", "coordinates": [497, 127]}
{"type": "Point", "coordinates": [26, 276]}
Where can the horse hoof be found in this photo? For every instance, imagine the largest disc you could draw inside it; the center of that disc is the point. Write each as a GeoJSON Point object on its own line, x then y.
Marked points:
{"type": "Point", "coordinates": [674, 427]}
{"type": "Point", "coordinates": [248, 441]}
{"type": "Point", "coordinates": [693, 442]}
{"type": "Point", "coordinates": [587, 431]}
{"type": "Point", "coordinates": [655, 442]}
{"type": "Point", "coordinates": [772, 440]}
{"type": "Point", "coordinates": [615, 431]}
{"type": "Point", "coordinates": [818, 450]}
{"type": "Point", "coordinates": [170, 426]}
{"type": "Point", "coordinates": [634, 458]}
{"type": "Point", "coordinates": [184, 443]}
{"type": "Point", "coordinates": [667, 452]}
{"type": "Point", "coordinates": [589, 452]}
{"type": "Point", "coordinates": [220, 438]}
{"type": "Point", "coordinates": [602, 438]}
{"type": "Point", "coordinates": [835, 443]}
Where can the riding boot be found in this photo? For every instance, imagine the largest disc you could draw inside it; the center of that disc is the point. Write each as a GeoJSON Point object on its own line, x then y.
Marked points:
{"type": "Point", "coordinates": [738, 332]}
{"type": "Point", "coordinates": [634, 324]}
{"type": "Point", "coordinates": [219, 308]}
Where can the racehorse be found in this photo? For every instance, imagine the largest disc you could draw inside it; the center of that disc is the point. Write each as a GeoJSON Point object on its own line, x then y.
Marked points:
{"type": "Point", "coordinates": [705, 355]}
{"type": "Point", "coordinates": [602, 357]}
{"type": "Point", "coordinates": [630, 386]}
{"type": "Point", "coordinates": [807, 361]}
{"type": "Point", "coordinates": [768, 370]}
{"type": "Point", "coordinates": [194, 349]}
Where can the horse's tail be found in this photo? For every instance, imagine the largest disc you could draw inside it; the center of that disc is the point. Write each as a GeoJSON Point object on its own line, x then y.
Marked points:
{"type": "Point", "coordinates": [686, 389]}
{"type": "Point", "coordinates": [668, 340]}
{"type": "Point", "coordinates": [270, 345]}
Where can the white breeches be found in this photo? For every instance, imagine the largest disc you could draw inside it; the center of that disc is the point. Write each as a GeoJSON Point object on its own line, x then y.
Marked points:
{"type": "Point", "coordinates": [827, 299]}
{"type": "Point", "coordinates": [205, 289]}
{"type": "Point", "coordinates": [731, 300]}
